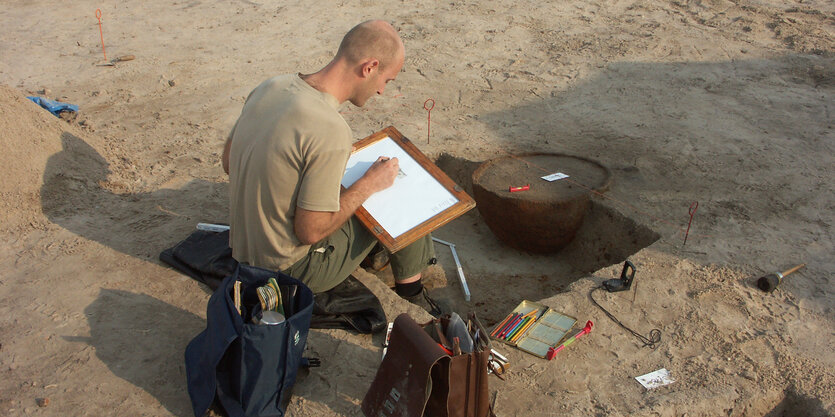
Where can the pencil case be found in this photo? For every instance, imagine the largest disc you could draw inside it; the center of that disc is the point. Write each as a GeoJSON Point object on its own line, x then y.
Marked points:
{"type": "Point", "coordinates": [533, 328]}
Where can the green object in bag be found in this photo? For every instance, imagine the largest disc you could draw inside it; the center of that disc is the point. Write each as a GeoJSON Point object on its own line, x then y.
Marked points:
{"type": "Point", "coordinates": [270, 297]}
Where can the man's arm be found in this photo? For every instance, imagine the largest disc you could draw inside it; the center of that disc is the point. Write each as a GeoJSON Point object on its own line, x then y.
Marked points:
{"type": "Point", "coordinates": [313, 226]}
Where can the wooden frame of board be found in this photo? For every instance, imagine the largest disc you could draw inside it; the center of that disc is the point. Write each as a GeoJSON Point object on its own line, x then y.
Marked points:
{"type": "Point", "coordinates": [464, 203]}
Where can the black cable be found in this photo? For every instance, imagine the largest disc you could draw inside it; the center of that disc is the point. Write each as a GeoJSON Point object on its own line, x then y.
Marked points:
{"type": "Point", "coordinates": [654, 335]}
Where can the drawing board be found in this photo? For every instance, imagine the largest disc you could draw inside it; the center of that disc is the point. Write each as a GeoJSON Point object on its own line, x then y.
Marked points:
{"type": "Point", "coordinates": [421, 199]}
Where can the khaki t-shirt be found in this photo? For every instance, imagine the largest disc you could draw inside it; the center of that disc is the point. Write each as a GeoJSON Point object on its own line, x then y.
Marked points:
{"type": "Point", "coordinates": [289, 148]}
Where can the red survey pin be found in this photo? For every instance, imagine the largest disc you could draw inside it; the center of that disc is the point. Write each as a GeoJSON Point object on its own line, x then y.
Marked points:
{"type": "Point", "coordinates": [428, 115]}
{"type": "Point", "coordinates": [692, 212]}
{"type": "Point", "coordinates": [101, 34]}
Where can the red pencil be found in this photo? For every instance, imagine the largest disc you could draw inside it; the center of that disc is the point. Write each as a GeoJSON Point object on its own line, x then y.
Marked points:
{"type": "Point", "coordinates": [513, 324]}
{"type": "Point", "coordinates": [501, 325]}
{"type": "Point", "coordinates": [508, 324]}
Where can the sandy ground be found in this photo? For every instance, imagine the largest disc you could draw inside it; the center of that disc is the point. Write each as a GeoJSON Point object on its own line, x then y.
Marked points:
{"type": "Point", "coordinates": [728, 103]}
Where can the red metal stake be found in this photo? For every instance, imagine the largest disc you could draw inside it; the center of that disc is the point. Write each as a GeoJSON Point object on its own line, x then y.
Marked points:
{"type": "Point", "coordinates": [428, 116]}
{"type": "Point", "coordinates": [692, 212]}
{"type": "Point", "coordinates": [98, 16]}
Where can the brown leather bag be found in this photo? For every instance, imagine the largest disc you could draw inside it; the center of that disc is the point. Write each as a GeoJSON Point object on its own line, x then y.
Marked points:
{"type": "Point", "coordinates": [419, 376]}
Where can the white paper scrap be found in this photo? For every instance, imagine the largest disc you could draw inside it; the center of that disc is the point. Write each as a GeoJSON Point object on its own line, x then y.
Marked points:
{"type": "Point", "coordinates": [388, 338]}
{"type": "Point", "coordinates": [656, 379]}
{"type": "Point", "coordinates": [555, 176]}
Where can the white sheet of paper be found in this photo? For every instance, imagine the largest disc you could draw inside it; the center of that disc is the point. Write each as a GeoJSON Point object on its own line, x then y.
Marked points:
{"type": "Point", "coordinates": [555, 176]}
{"type": "Point", "coordinates": [415, 197]}
{"type": "Point", "coordinates": [656, 379]}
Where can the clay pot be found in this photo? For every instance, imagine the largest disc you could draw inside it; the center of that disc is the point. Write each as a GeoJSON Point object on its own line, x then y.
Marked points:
{"type": "Point", "coordinates": [546, 217]}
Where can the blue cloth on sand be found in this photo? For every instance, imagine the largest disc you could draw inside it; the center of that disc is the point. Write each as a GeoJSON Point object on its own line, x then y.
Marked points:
{"type": "Point", "coordinates": [52, 106]}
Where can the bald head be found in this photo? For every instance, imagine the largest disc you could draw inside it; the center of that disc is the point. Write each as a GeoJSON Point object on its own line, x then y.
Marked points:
{"type": "Point", "coordinates": [372, 39]}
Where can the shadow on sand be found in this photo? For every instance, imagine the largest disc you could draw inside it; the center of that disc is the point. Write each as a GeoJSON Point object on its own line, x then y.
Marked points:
{"type": "Point", "coordinates": [142, 340]}
{"type": "Point", "coordinates": [76, 195]}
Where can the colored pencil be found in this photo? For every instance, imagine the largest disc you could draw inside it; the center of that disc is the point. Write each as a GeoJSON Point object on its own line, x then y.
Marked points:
{"type": "Point", "coordinates": [510, 327]}
{"type": "Point", "coordinates": [499, 327]}
{"type": "Point", "coordinates": [515, 326]}
{"type": "Point", "coordinates": [532, 313]}
{"type": "Point", "coordinates": [522, 324]}
{"type": "Point", "coordinates": [523, 331]}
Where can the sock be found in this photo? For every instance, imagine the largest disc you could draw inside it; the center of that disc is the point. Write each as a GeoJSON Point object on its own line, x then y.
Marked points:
{"type": "Point", "coordinates": [408, 290]}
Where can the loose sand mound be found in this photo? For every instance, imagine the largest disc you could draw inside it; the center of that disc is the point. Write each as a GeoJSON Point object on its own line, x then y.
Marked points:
{"type": "Point", "coordinates": [45, 162]}
{"type": "Point", "coordinates": [30, 135]}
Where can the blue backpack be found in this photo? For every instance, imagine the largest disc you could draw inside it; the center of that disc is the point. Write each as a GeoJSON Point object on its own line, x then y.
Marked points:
{"type": "Point", "coordinates": [249, 368]}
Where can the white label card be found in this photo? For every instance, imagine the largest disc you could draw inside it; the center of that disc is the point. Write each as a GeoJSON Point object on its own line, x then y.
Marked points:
{"type": "Point", "coordinates": [656, 379]}
{"type": "Point", "coordinates": [555, 176]}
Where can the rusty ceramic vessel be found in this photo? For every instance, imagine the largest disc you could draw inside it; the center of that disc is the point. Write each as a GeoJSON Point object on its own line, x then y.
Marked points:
{"type": "Point", "coordinates": [546, 217]}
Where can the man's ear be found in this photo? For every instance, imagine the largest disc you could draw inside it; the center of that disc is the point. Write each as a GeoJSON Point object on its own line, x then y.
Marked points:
{"type": "Point", "coordinates": [369, 66]}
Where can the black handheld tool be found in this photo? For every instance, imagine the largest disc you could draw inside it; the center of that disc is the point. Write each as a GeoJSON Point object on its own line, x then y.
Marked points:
{"type": "Point", "coordinates": [624, 282]}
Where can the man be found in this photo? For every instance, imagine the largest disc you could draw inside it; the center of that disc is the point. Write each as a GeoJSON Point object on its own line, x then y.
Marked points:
{"type": "Point", "coordinates": [286, 156]}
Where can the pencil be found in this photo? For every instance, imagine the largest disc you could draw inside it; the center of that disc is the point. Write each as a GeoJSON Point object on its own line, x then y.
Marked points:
{"type": "Point", "coordinates": [523, 331]}
{"type": "Point", "coordinates": [499, 327]}
{"type": "Point", "coordinates": [510, 327]}
{"type": "Point", "coordinates": [519, 328]}
{"type": "Point", "coordinates": [531, 313]}
{"type": "Point", "coordinates": [515, 326]}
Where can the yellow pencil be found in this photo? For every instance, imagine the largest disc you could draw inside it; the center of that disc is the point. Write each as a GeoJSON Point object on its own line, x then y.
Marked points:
{"type": "Point", "coordinates": [521, 332]}
{"type": "Point", "coordinates": [530, 314]}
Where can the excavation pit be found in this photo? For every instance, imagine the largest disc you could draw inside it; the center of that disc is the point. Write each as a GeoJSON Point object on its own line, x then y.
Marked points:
{"type": "Point", "coordinates": [500, 276]}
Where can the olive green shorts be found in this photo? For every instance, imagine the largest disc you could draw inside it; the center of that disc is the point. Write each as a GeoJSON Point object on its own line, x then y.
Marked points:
{"type": "Point", "coordinates": [332, 259]}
